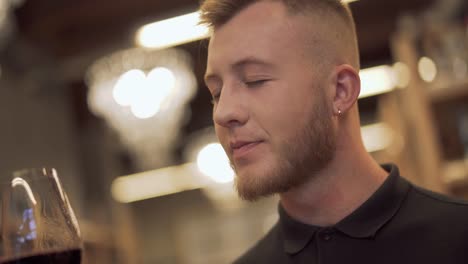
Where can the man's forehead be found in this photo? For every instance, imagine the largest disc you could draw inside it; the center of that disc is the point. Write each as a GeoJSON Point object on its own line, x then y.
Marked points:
{"type": "Point", "coordinates": [247, 31]}
{"type": "Point", "coordinates": [270, 19]}
{"type": "Point", "coordinates": [257, 37]}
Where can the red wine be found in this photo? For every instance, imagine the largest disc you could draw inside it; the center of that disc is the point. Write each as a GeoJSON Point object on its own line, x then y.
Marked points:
{"type": "Point", "coordinates": [72, 256]}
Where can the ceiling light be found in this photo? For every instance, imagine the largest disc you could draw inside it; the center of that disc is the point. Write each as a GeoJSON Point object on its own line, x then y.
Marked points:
{"type": "Point", "coordinates": [172, 32]}
{"type": "Point", "coordinates": [143, 95]}
{"type": "Point", "coordinates": [124, 89]}
{"type": "Point", "coordinates": [175, 31]}
{"type": "Point", "coordinates": [376, 80]}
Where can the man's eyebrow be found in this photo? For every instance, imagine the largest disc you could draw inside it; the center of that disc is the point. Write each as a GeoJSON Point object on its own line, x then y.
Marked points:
{"type": "Point", "coordinates": [239, 65]}
{"type": "Point", "coordinates": [251, 61]}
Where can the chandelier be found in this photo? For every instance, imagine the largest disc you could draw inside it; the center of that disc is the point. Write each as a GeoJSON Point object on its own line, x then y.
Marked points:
{"type": "Point", "coordinates": [143, 94]}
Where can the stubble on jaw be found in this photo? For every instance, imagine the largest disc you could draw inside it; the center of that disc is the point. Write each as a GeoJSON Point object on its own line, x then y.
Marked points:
{"type": "Point", "coordinates": [300, 158]}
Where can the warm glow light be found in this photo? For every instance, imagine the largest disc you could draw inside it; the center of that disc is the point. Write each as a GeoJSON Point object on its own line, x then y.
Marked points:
{"type": "Point", "coordinates": [144, 94]}
{"type": "Point", "coordinates": [172, 32]}
{"type": "Point", "coordinates": [155, 183]}
{"type": "Point", "coordinates": [147, 103]}
{"type": "Point", "coordinates": [213, 162]}
{"type": "Point", "coordinates": [427, 69]}
{"type": "Point", "coordinates": [124, 89]}
{"type": "Point", "coordinates": [401, 75]}
{"type": "Point", "coordinates": [164, 79]}
{"type": "Point", "coordinates": [151, 137]}
{"type": "Point", "coordinates": [376, 80]}
{"type": "Point", "coordinates": [376, 136]}
{"type": "Point", "coordinates": [145, 107]}
{"type": "Point", "coordinates": [161, 83]}
{"type": "Point", "coordinates": [175, 31]}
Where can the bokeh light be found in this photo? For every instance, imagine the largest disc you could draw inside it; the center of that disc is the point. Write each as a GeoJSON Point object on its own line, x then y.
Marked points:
{"type": "Point", "coordinates": [427, 69]}
{"type": "Point", "coordinates": [144, 94]}
{"type": "Point", "coordinates": [125, 88]}
{"type": "Point", "coordinates": [213, 162]}
{"type": "Point", "coordinates": [401, 75]}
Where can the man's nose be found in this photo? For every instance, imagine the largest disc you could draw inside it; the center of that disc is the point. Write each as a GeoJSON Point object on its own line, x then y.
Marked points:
{"type": "Point", "coordinates": [230, 110]}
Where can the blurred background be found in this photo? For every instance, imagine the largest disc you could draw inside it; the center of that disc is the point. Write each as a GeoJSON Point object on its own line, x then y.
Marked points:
{"type": "Point", "coordinates": [122, 112]}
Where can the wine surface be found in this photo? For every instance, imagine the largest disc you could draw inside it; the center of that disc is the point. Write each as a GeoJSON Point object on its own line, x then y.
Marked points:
{"type": "Point", "coordinates": [60, 257]}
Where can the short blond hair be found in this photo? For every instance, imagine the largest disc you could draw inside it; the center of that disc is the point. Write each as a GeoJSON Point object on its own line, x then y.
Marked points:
{"type": "Point", "coordinates": [215, 13]}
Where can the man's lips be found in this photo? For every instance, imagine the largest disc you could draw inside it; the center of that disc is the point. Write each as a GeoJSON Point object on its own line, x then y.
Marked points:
{"type": "Point", "coordinates": [242, 148]}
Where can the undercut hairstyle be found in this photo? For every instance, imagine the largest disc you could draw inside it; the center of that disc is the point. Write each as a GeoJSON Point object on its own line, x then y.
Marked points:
{"type": "Point", "coordinates": [215, 13]}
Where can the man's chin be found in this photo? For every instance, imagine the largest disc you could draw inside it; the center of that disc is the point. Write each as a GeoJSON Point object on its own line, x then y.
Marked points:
{"type": "Point", "coordinates": [250, 194]}
{"type": "Point", "coordinates": [251, 187]}
{"type": "Point", "coordinates": [248, 186]}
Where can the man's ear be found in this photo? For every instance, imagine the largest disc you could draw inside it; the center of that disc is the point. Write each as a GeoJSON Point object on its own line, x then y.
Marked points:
{"type": "Point", "coordinates": [347, 88]}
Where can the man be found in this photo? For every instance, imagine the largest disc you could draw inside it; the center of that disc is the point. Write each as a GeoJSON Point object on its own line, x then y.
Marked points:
{"type": "Point", "coordinates": [284, 79]}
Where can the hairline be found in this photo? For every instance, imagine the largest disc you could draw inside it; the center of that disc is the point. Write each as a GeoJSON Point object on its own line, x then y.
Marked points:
{"type": "Point", "coordinates": [334, 15]}
{"type": "Point", "coordinates": [292, 9]}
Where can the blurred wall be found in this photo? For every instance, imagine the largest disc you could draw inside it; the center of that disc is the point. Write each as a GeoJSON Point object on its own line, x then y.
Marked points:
{"type": "Point", "coordinates": [37, 130]}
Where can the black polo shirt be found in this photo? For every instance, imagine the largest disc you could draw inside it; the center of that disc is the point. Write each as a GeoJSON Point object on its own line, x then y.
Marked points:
{"type": "Point", "coordinates": [399, 223]}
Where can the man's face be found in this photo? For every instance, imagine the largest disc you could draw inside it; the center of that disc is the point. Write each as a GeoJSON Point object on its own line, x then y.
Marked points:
{"type": "Point", "coordinates": [272, 111]}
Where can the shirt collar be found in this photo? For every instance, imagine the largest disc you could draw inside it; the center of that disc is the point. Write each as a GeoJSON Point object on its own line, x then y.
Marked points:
{"type": "Point", "coordinates": [364, 222]}
{"type": "Point", "coordinates": [367, 219]}
{"type": "Point", "coordinates": [296, 235]}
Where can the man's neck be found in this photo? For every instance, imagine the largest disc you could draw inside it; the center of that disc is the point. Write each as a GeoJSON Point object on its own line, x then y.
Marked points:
{"type": "Point", "coordinates": [336, 191]}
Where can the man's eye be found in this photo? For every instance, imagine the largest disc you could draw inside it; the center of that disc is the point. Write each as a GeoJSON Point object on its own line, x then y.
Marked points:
{"type": "Point", "coordinates": [256, 82]}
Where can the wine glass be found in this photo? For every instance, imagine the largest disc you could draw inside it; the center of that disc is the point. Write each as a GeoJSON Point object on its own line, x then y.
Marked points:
{"type": "Point", "coordinates": [36, 220]}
